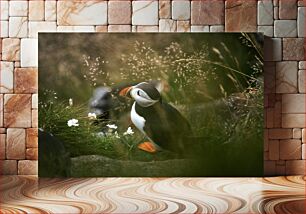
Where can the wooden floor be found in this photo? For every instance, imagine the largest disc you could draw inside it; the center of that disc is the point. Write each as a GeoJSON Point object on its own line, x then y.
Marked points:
{"type": "Point", "coordinates": [139, 195]}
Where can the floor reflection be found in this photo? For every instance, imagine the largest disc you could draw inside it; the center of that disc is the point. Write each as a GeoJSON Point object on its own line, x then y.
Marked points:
{"type": "Point", "coordinates": [139, 195]}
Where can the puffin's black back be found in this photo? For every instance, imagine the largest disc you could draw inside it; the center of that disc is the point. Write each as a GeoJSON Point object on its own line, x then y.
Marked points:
{"type": "Point", "coordinates": [165, 126]}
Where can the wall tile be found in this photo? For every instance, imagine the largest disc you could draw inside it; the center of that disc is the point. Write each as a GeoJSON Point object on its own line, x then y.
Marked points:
{"type": "Point", "coordinates": [295, 167]}
{"type": "Point", "coordinates": [241, 15]}
{"type": "Point", "coordinates": [26, 80]}
{"type": "Point", "coordinates": [119, 28]}
{"type": "Point", "coordinates": [304, 135]}
{"type": "Point", "coordinates": [302, 82]}
{"type": "Point", "coordinates": [18, 27]}
{"type": "Point", "coordinates": [145, 13]}
{"type": "Point", "coordinates": [266, 30]}
{"type": "Point", "coordinates": [297, 133]}
{"type": "Point", "coordinates": [18, 8]}
{"type": "Point", "coordinates": [1, 111]}
{"type": "Point", "coordinates": [119, 12]}
{"type": "Point", "coordinates": [287, 9]}
{"type": "Point", "coordinates": [265, 12]}
{"type": "Point", "coordinates": [17, 110]}
{"type": "Point", "coordinates": [4, 29]}
{"type": "Point", "coordinates": [280, 170]}
{"type": "Point", "coordinates": [74, 29]}
{"type": "Point", "coordinates": [32, 154]}
{"type": "Point", "coordinates": [91, 12]}
{"type": "Point", "coordinates": [35, 101]}
{"type": "Point", "coordinates": [101, 28]}
{"type": "Point", "coordinates": [216, 28]}
{"type": "Point", "coordinates": [293, 103]}
{"type": "Point", "coordinates": [286, 77]}
{"type": "Point", "coordinates": [27, 167]}
{"type": "Point", "coordinates": [8, 167]}
{"type": "Point", "coordinates": [285, 28]}
{"type": "Point", "coordinates": [167, 25]}
{"type": "Point", "coordinates": [147, 28]}
{"type": "Point", "coordinates": [275, 13]}
{"type": "Point", "coordinates": [11, 49]}
{"type": "Point", "coordinates": [293, 120]}
{"type": "Point", "coordinates": [36, 10]}
{"type": "Point", "coordinates": [32, 138]}
{"type": "Point", "coordinates": [293, 49]}
{"type": "Point", "coordinates": [273, 150]}
{"type": "Point", "coordinates": [180, 10]}
{"type": "Point", "coordinates": [301, 3]}
{"type": "Point", "coordinates": [2, 146]}
{"type": "Point", "coordinates": [4, 12]}
{"type": "Point", "coordinates": [280, 133]}
{"type": "Point", "coordinates": [183, 26]}
{"type": "Point", "coordinates": [50, 10]}
{"type": "Point", "coordinates": [269, 168]}
{"type": "Point", "coordinates": [29, 53]}
{"type": "Point", "coordinates": [164, 9]}
{"type": "Point", "coordinates": [277, 115]}
{"type": "Point", "coordinates": [207, 12]}
{"type": "Point", "coordinates": [7, 77]}
{"type": "Point", "coordinates": [301, 21]}
{"type": "Point", "coordinates": [15, 144]}
{"type": "Point", "coordinates": [199, 28]}
{"type": "Point", "coordinates": [266, 140]}
{"type": "Point", "coordinates": [34, 118]}
{"type": "Point", "coordinates": [302, 65]}
{"type": "Point", "coordinates": [290, 149]}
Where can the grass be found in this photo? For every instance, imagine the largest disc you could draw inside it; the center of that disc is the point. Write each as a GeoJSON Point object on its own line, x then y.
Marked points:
{"type": "Point", "coordinates": [87, 138]}
{"type": "Point", "coordinates": [229, 129]}
{"type": "Point", "coordinates": [231, 133]}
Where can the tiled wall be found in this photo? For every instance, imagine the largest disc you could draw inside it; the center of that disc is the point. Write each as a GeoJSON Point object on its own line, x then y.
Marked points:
{"type": "Point", "coordinates": [285, 133]}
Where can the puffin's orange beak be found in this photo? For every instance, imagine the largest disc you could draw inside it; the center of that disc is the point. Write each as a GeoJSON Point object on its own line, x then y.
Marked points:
{"type": "Point", "coordinates": [124, 92]}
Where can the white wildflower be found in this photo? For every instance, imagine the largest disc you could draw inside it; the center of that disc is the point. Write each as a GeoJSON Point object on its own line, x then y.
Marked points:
{"type": "Point", "coordinates": [70, 102]}
{"type": "Point", "coordinates": [73, 122]}
{"type": "Point", "coordinates": [92, 116]}
{"type": "Point", "coordinates": [112, 126]}
{"type": "Point", "coordinates": [116, 134]}
{"type": "Point", "coordinates": [100, 134]}
{"type": "Point", "coordinates": [129, 131]}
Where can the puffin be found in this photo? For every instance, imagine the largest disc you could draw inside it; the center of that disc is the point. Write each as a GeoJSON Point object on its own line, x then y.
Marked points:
{"type": "Point", "coordinates": [107, 103]}
{"type": "Point", "coordinates": [101, 102]}
{"type": "Point", "coordinates": [162, 124]}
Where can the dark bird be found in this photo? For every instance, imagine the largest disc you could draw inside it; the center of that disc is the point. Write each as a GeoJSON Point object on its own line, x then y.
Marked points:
{"type": "Point", "coordinates": [160, 122]}
{"type": "Point", "coordinates": [101, 102]}
{"type": "Point", "coordinates": [53, 158]}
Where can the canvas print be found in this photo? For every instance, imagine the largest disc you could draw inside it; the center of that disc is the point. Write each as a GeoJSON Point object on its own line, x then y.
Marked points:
{"type": "Point", "coordinates": [150, 104]}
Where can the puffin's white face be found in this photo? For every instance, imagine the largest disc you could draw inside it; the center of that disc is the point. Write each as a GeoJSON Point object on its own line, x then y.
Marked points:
{"type": "Point", "coordinates": [141, 97]}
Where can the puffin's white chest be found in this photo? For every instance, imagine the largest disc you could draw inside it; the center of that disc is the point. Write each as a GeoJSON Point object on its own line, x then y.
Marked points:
{"type": "Point", "coordinates": [138, 121]}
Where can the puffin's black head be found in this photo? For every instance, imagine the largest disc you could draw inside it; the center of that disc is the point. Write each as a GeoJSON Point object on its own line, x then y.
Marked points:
{"type": "Point", "coordinates": [149, 89]}
{"type": "Point", "coordinates": [145, 94]}
{"type": "Point", "coordinates": [101, 100]}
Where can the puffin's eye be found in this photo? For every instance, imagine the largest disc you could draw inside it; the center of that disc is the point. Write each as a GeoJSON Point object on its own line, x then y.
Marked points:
{"type": "Point", "coordinates": [138, 93]}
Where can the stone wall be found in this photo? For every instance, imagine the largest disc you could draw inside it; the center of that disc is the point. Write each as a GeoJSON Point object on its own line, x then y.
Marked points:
{"type": "Point", "coordinates": [283, 20]}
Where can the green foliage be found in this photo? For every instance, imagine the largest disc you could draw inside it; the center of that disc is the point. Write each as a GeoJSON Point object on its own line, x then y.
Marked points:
{"type": "Point", "coordinates": [231, 133]}
{"type": "Point", "coordinates": [83, 139]}
{"type": "Point", "coordinates": [87, 138]}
